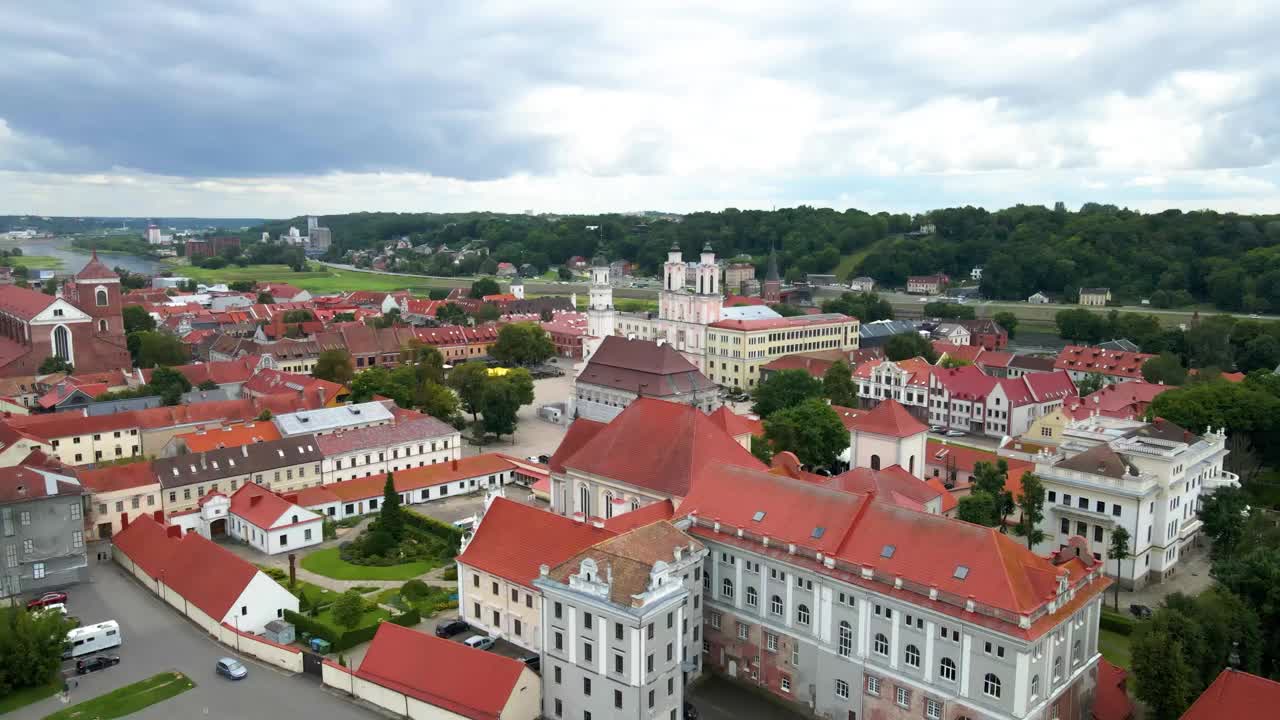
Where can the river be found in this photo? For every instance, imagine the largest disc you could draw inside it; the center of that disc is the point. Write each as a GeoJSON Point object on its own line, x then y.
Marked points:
{"type": "Point", "coordinates": [74, 258]}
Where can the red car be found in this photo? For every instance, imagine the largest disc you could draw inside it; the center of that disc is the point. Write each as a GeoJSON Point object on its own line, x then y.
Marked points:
{"type": "Point", "coordinates": [51, 598]}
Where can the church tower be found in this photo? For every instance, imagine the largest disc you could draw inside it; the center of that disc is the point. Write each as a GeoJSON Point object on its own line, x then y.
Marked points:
{"type": "Point", "coordinates": [707, 302]}
{"type": "Point", "coordinates": [97, 293]}
{"type": "Point", "coordinates": [771, 289]}
{"type": "Point", "coordinates": [600, 313]}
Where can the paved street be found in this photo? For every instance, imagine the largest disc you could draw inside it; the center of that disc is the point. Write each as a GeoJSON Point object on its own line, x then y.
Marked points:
{"type": "Point", "coordinates": [156, 638]}
{"type": "Point", "coordinates": [534, 436]}
{"type": "Point", "coordinates": [718, 699]}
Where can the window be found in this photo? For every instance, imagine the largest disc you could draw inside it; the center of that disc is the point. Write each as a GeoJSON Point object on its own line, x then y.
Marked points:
{"type": "Point", "coordinates": [881, 644]}
{"type": "Point", "coordinates": [1057, 669]}
{"type": "Point", "coordinates": [743, 629]}
{"type": "Point", "coordinates": [991, 685]}
{"type": "Point", "coordinates": [1075, 653]}
{"type": "Point", "coordinates": [618, 663]}
{"type": "Point", "coordinates": [775, 605]}
{"type": "Point", "coordinates": [753, 598]}
{"type": "Point", "coordinates": [726, 588]}
{"type": "Point", "coordinates": [617, 630]}
{"type": "Point", "coordinates": [873, 685]}
{"type": "Point", "coordinates": [77, 539]}
{"type": "Point", "coordinates": [586, 686]}
{"type": "Point", "coordinates": [24, 517]}
{"type": "Point", "coordinates": [1066, 526]}
{"type": "Point", "coordinates": [771, 642]}
{"type": "Point", "coordinates": [715, 619]}
{"type": "Point", "coordinates": [932, 709]}
{"type": "Point", "coordinates": [784, 683]}
{"type": "Point", "coordinates": [802, 614]}
{"type": "Point", "coordinates": [559, 707]}
{"type": "Point", "coordinates": [913, 656]}
{"type": "Point", "coordinates": [842, 689]}
{"type": "Point", "coordinates": [617, 698]}
{"type": "Point", "coordinates": [903, 697]}
{"type": "Point", "coordinates": [1035, 686]}
{"type": "Point", "coordinates": [846, 639]}
{"type": "Point", "coordinates": [586, 620]}
{"type": "Point", "coordinates": [947, 669]}
{"type": "Point", "coordinates": [648, 663]}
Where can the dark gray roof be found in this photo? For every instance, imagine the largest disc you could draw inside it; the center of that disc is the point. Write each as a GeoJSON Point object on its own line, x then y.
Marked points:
{"type": "Point", "coordinates": [233, 461]}
{"type": "Point", "coordinates": [885, 328]}
{"type": "Point", "coordinates": [1100, 460]}
{"type": "Point", "coordinates": [643, 367]}
{"type": "Point", "coordinates": [1120, 345]}
{"type": "Point", "coordinates": [1032, 363]}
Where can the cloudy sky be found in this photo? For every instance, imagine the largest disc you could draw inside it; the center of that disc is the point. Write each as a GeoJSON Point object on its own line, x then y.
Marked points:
{"type": "Point", "coordinates": [265, 108]}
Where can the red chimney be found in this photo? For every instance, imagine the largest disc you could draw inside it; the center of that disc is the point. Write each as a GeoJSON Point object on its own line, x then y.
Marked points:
{"type": "Point", "coordinates": [158, 516]}
{"type": "Point", "coordinates": [455, 464]}
{"type": "Point", "coordinates": [173, 531]}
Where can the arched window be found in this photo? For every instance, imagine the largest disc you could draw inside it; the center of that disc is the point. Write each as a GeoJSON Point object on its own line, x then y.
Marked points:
{"type": "Point", "coordinates": [913, 656]}
{"type": "Point", "coordinates": [584, 500]}
{"type": "Point", "coordinates": [911, 464]}
{"type": "Point", "coordinates": [991, 685]}
{"type": "Point", "coordinates": [947, 669]}
{"type": "Point", "coordinates": [1035, 686]}
{"type": "Point", "coordinates": [102, 325]}
{"type": "Point", "coordinates": [775, 605]}
{"type": "Point", "coordinates": [726, 588]}
{"type": "Point", "coordinates": [608, 504]}
{"type": "Point", "coordinates": [62, 342]}
{"type": "Point", "coordinates": [882, 644]}
{"type": "Point", "coordinates": [802, 614]}
{"type": "Point", "coordinates": [846, 639]}
{"type": "Point", "coordinates": [875, 462]}
{"type": "Point", "coordinates": [101, 297]}
{"type": "Point", "coordinates": [753, 597]}
{"type": "Point", "coordinates": [635, 504]}
{"type": "Point", "coordinates": [1057, 669]}
{"type": "Point", "coordinates": [1075, 653]}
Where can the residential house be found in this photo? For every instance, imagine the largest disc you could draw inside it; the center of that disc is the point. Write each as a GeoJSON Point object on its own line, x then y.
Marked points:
{"type": "Point", "coordinates": [967, 354]}
{"type": "Point", "coordinates": [927, 284]}
{"type": "Point", "coordinates": [885, 436]}
{"type": "Point", "coordinates": [624, 369]}
{"type": "Point", "coordinates": [274, 382]}
{"type": "Point", "coordinates": [986, 334]}
{"type": "Point", "coordinates": [953, 465]}
{"type": "Point", "coordinates": [368, 346]}
{"type": "Point", "coordinates": [1038, 298]}
{"type": "Point", "coordinates": [1020, 365]}
{"type": "Point", "coordinates": [16, 446]}
{"type": "Point", "coordinates": [118, 493]}
{"type": "Point", "coordinates": [362, 451]}
{"type": "Point", "coordinates": [905, 381]}
{"type": "Point", "coordinates": [1095, 297]}
{"type": "Point", "coordinates": [42, 530]}
{"type": "Point", "coordinates": [459, 344]}
{"type": "Point", "coordinates": [862, 284]}
{"type": "Point", "coordinates": [737, 273]}
{"type": "Point", "coordinates": [416, 485]}
{"type": "Point", "coordinates": [952, 333]}
{"type": "Point", "coordinates": [257, 517]}
{"type": "Point", "coordinates": [1127, 400]}
{"type": "Point", "coordinates": [224, 436]}
{"type": "Point", "coordinates": [966, 399]}
{"type": "Point", "coordinates": [567, 331]}
{"type": "Point", "coordinates": [1082, 361]}
{"type": "Point", "coordinates": [283, 466]}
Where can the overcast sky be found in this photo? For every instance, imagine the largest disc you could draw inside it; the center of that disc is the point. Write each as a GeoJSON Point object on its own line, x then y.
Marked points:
{"type": "Point", "coordinates": [261, 108]}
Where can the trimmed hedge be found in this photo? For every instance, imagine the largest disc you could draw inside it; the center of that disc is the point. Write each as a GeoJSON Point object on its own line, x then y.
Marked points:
{"type": "Point", "coordinates": [1117, 623]}
{"type": "Point", "coordinates": [345, 640]}
{"type": "Point", "coordinates": [447, 531]}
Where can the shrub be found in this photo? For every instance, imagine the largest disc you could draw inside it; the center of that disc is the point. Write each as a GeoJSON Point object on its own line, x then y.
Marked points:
{"type": "Point", "coordinates": [1116, 623]}
{"type": "Point", "coordinates": [348, 608]}
{"type": "Point", "coordinates": [414, 590]}
{"type": "Point", "coordinates": [329, 529]}
{"type": "Point", "coordinates": [451, 572]}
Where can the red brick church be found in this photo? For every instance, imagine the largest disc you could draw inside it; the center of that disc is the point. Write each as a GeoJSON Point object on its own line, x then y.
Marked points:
{"type": "Point", "coordinates": [82, 324]}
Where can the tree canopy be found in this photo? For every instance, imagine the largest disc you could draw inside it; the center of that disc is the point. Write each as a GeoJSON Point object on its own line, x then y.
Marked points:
{"type": "Point", "coordinates": [838, 385]}
{"type": "Point", "coordinates": [810, 429]}
{"type": "Point", "coordinates": [908, 345]}
{"type": "Point", "coordinates": [335, 366]}
{"type": "Point", "coordinates": [522, 344]}
{"type": "Point", "coordinates": [784, 389]}
{"type": "Point", "coordinates": [867, 307]}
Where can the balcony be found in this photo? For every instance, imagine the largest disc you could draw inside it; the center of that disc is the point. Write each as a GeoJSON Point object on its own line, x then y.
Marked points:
{"type": "Point", "coordinates": [1221, 480]}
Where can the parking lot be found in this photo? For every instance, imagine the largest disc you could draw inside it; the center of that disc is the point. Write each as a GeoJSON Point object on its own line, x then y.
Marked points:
{"type": "Point", "coordinates": [534, 436]}
{"type": "Point", "coordinates": [157, 639]}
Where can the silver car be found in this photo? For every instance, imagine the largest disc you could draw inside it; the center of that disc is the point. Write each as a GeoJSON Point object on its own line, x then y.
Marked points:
{"type": "Point", "coordinates": [479, 642]}
{"type": "Point", "coordinates": [231, 668]}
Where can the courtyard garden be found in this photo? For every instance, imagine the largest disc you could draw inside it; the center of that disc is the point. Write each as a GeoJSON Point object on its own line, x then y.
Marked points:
{"type": "Point", "coordinates": [427, 600]}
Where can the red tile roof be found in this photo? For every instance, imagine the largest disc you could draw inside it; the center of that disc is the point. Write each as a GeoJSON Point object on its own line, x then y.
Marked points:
{"type": "Point", "coordinates": [623, 449]}
{"type": "Point", "coordinates": [736, 424]}
{"type": "Point", "coordinates": [1084, 358]}
{"type": "Point", "coordinates": [259, 506]}
{"type": "Point", "coordinates": [796, 322]}
{"type": "Point", "coordinates": [893, 483]}
{"type": "Point", "coordinates": [207, 575]}
{"type": "Point", "coordinates": [579, 433]}
{"type": "Point", "coordinates": [230, 436]}
{"type": "Point", "coordinates": [888, 418]}
{"type": "Point", "coordinates": [816, 367]}
{"type": "Point", "coordinates": [1126, 400]}
{"type": "Point", "coordinates": [147, 543]}
{"type": "Point", "coordinates": [965, 383]}
{"type": "Point", "coordinates": [219, 371]}
{"type": "Point", "coordinates": [743, 301]}
{"type": "Point", "coordinates": [423, 427]}
{"type": "Point", "coordinates": [1111, 701]}
{"type": "Point", "coordinates": [23, 302]}
{"type": "Point", "coordinates": [994, 359]}
{"type": "Point", "coordinates": [949, 501]}
{"type": "Point", "coordinates": [314, 496]}
{"type": "Point", "coordinates": [421, 477]}
{"type": "Point", "coordinates": [543, 538]}
{"type": "Point", "coordinates": [119, 477]}
{"type": "Point", "coordinates": [939, 454]}
{"type": "Point", "coordinates": [95, 269]}
{"type": "Point", "coordinates": [965, 353]}
{"type": "Point", "coordinates": [631, 519]}
{"type": "Point", "coordinates": [446, 674]}
{"type": "Point", "coordinates": [1235, 694]}
{"type": "Point", "coordinates": [19, 484]}
{"type": "Point", "coordinates": [918, 368]}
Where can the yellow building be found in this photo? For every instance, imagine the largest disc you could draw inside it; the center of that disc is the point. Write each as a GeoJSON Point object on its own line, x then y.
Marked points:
{"type": "Point", "coordinates": [1047, 429]}
{"type": "Point", "coordinates": [737, 348]}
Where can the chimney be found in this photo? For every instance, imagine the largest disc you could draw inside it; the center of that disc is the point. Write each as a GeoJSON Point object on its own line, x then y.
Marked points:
{"type": "Point", "coordinates": [124, 520]}
{"type": "Point", "coordinates": [173, 531]}
{"type": "Point", "coordinates": [455, 464]}
{"type": "Point", "coordinates": [158, 516]}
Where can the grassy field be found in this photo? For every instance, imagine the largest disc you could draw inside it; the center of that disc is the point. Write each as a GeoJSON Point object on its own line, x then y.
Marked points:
{"type": "Point", "coordinates": [42, 262]}
{"type": "Point", "coordinates": [128, 699]}
{"type": "Point", "coordinates": [26, 696]}
{"type": "Point", "coordinates": [327, 562]}
{"type": "Point", "coordinates": [370, 617]}
{"type": "Point", "coordinates": [1115, 648]}
{"type": "Point", "coordinates": [437, 599]}
{"type": "Point", "coordinates": [850, 261]}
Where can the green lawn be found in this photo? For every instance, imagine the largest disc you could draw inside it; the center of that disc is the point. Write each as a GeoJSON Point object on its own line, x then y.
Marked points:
{"type": "Point", "coordinates": [46, 262]}
{"type": "Point", "coordinates": [26, 696]}
{"type": "Point", "coordinates": [1115, 648]}
{"type": "Point", "coordinates": [370, 617]}
{"type": "Point", "coordinates": [327, 562]}
{"type": "Point", "coordinates": [128, 699]}
{"type": "Point", "coordinates": [437, 599]}
{"type": "Point", "coordinates": [318, 279]}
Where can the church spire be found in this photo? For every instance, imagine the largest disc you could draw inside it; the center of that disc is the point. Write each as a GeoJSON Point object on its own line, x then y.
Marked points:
{"type": "Point", "coordinates": [772, 272]}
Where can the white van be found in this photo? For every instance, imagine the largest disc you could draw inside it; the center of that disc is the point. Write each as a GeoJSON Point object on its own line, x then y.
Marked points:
{"type": "Point", "coordinates": [92, 638]}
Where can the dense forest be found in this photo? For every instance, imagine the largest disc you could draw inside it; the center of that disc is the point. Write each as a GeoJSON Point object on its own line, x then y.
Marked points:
{"type": "Point", "coordinates": [1172, 258]}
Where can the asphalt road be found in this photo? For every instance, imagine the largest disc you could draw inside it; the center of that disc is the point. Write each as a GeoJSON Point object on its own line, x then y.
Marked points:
{"type": "Point", "coordinates": [156, 639]}
{"type": "Point", "coordinates": [718, 699]}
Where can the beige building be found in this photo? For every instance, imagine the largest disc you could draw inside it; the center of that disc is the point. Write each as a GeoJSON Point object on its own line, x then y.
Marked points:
{"type": "Point", "coordinates": [119, 494]}
{"type": "Point", "coordinates": [1095, 297]}
{"type": "Point", "coordinates": [736, 274]}
{"type": "Point", "coordinates": [16, 445]}
{"type": "Point", "coordinates": [409, 443]}
{"type": "Point", "coordinates": [282, 466]}
{"type": "Point", "coordinates": [737, 348]}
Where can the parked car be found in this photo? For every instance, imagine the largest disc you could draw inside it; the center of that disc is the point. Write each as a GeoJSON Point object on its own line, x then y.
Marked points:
{"type": "Point", "coordinates": [1140, 611]}
{"type": "Point", "coordinates": [954, 433]}
{"type": "Point", "coordinates": [451, 627]}
{"type": "Point", "coordinates": [231, 669]}
{"type": "Point", "coordinates": [690, 712]}
{"type": "Point", "coordinates": [534, 662]}
{"type": "Point", "coordinates": [94, 664]}
{"type": "Point", "coordinates": [479, 642]}
{"type": "Point", "coordinates": [49, 598]}
{"type": "Point", "coordinates": [937, 429]}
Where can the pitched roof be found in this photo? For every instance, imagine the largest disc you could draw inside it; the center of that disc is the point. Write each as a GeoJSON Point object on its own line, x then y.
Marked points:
{"type": "Point", "coordinates": [1234, 694]}
{"type": "Point", "coordinates": [1099, 460]}
{"type": "Point", "coordinates": [118, 477]}
{"type": "Point", "coordinates": [224, 462]}
{"type": "Point", "coordinates": [893, 483]}
{"type": "Point", "coordinates": [963, 353]}
{"type": "Point", "coordinates": [446, 674]}
{"type": "Point", "coordinates": [259, 506]}
{"type": "Point", "coordinates": [228, 436]}
{"type": "Point", "coordinates": [1111, 701]}
{"type": "Point", "coordinates": [735, 424]}
{"type": "Point", "coordinates": [623, 449]}
{"type": "Point", "coordinates": [423, 427]}
{"type": "Point", "coordinates": [420, 477]}
{"type": "Point", "coordinates": [630, 557]}
{"type": "Point", "coordinates": [579, 433]}
{"type": "Point", "coordinates": [994, 359]}
{"type": "Point", "coordinates": [147, 543]}
{"type": "Point", "coordinates": [21, 484]}
{"type": "Point", "coordinates": [23, 302]}
{"type": "Point", "coordinates": [816, 367]}
{"type": "Point", "coordinates": [643, 367]}
{"type": "Point", "coordinates": [1082, 358]}
{"type": "Point", "coordinates": [888, 418]}
{"type": "Point", "coordinates": [313, 496]}
{"type": "Point", "coordinates": [543, 538]}
{"type": "Point", "coordinates": [795, 322]}
{"type": "Point", "coordinates": [966, 382]}
{"type": "Point", "coordinates": [653, 512]}
{"type": "Point", "coordinates": [207, 575]}
{"type": "Point", "coordinates": [95, 269]}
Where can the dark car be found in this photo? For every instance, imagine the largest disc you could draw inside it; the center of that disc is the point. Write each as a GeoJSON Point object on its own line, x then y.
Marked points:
{"type": "Point", "coordinates": [95, 664]}
{"type": "Point", "coordinates": [1140, 611]}
{"type": "Point", "coordinates": [690, 712]}
{"type": "Point", "coordinates": [449, 628]}
{"type": "Point", "coordinates": [533, 662]}
{"type": "Point", "coordinates": [49, 598]}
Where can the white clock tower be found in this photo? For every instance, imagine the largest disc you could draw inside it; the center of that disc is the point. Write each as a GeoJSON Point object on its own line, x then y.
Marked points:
{"type": "Point", "coordinates": [600, 313]}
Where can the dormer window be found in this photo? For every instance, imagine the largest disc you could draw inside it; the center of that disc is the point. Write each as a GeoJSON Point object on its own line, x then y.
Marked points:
{"type": "Point", "coordinates": [57, 312]}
